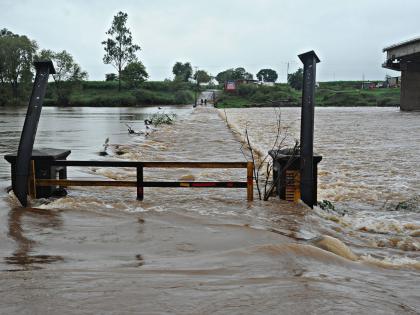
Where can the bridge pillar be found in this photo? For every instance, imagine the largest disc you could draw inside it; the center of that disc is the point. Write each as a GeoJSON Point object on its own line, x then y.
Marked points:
{"type": "Point", "coordinates": [410, 86]}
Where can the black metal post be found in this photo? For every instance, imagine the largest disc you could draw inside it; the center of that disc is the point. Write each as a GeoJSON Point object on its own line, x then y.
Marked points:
{"type": "Point", "coordinates": [27, 138]}
{"type": "Point", "coordinates": [140, 183]}
{"type": "Point", "coordinates": [309, 60]}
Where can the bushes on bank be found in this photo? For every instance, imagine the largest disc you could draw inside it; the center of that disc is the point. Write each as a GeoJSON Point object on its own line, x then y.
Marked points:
{"type": "Point", "coordinates": [105, 93]}
{"type": "Point", "coordinates": [105, 101]}
{"type": "Point", "coordinates": [340, 93]}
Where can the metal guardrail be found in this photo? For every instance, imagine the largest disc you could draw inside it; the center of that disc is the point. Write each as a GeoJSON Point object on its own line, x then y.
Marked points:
{"type": "Point", "coordinates": [140, 183]}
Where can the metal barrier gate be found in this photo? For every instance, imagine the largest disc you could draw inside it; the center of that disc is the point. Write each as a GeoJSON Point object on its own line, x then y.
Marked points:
{"type": "Point", "coordinates": [140, 183]}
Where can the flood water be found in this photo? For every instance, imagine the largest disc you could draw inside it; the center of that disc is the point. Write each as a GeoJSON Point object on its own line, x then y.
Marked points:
{"type": "Point", "coordinates": [209, 251]}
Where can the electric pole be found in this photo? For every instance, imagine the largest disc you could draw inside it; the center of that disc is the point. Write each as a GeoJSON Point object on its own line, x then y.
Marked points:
{"type": "Point", "coordinates": [196, 88]}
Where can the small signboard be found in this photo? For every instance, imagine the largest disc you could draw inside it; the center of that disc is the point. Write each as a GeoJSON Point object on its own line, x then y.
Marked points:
{"type": "Point", "coordinates": [230, 86]}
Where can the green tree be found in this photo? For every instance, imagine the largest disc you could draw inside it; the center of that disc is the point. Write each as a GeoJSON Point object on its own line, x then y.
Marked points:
{"type": "Point", "coordinates": [119, 48]}
{"type": "Point", "coordinates": [182, 71]}
{"type": "Point", "coordinates": [68, 73]}
{"type": "Point", "coordinates": [241, 74]}
{"type": "Point", "coordinates": [111, 77]}
{"type": "Point", "coordinates": [202, 76]}
{"type": "Point", "coordinates": [134, 73]}
{"type": "Point", "coordinates": [295, 79]}
{"type": "Point", "coordinates": [267, 75]}
{"type": "Point", "coordinates": [16, 58]}
{"type": "Point", "coordinates": [233, 74]}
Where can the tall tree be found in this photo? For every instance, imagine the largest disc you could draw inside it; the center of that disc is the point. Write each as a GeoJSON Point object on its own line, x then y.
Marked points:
{"type": "Point", "coordinates": [134, 73]}
{"type": "Point", "coordinates": [119, 48]}
{"type": "Point", "coordinates": [67, 73]}
{"type": "Point", "coordinates": [295, 79]}
{"type": "Point", "coordinates": [182, 71]}
{"type": "Point", "coordinates": [267, 75]}
{"type": "Point", "coordinates": [16, 57]}
{"type": "Point", "coordinates": [202, 76]}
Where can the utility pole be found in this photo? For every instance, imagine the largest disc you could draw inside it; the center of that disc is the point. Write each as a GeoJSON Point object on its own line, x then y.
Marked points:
{"type": "Point", "coordinates": [287, 75]}
{"type": "Point", "coordinates": [196, 88]}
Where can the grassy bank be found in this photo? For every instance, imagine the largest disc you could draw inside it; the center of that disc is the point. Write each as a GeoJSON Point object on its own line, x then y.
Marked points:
{"type": "Point", "coordinates": [105, 93]}
{"type": "Point", "coordinates": [337, 93]}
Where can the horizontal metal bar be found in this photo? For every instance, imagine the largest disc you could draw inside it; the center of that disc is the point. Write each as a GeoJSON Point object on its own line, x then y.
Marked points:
{"type": "Point", "coordinates": [119, 183]}
{"type": "Point", "coordinates": [150, 164]}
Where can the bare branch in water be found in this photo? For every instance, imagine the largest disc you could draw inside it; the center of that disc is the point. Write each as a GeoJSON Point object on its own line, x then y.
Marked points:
{"type": "Point", "coordinates": [263, 165]}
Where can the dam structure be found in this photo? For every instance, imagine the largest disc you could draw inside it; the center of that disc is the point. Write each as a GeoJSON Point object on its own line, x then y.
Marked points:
{"type": "Point", "coordinates": [405, 57]}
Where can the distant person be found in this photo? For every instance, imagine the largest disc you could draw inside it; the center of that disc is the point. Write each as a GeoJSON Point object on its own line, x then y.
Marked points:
{"type": "Point", "coordinates": [202, 101]}
{"type": "Point", "coordinates": [205, 101]}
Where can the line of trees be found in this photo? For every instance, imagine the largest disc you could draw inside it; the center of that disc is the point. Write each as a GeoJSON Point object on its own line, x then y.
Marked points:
{"type": "Point", "coordinates": [16, 57]}
{"type": "Point", "coordinates": [264, 75]}
{"type": "Point", "coordinates": [17, 54]}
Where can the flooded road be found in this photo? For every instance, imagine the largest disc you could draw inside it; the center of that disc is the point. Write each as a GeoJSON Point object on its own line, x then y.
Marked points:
{"type": "Point", "coordinates": [186, 251]}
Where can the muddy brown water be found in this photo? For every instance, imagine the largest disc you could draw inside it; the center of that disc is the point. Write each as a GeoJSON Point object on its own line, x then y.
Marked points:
{"type": "Point", "coordinates": [186, 251]}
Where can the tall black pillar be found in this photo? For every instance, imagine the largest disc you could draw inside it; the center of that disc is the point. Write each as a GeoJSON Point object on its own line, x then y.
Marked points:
{"type": "Point", "coordinates": [27, 138]}
{"type": "Point", "coordinates": [307, 180]}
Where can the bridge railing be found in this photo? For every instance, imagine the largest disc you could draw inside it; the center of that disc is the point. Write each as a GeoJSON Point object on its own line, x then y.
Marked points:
{"type": "Point", "coordinates": [140, 184]}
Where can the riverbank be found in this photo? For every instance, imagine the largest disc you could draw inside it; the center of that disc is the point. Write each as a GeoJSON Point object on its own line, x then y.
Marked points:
{"type": "Point", "coordinates": [328, 94]}
{"type": "Point", "coordinates": [106, 94]}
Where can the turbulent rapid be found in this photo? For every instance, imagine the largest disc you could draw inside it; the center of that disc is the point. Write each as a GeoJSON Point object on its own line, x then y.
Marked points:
{"type": "Point", "coordinates": [209, 251]}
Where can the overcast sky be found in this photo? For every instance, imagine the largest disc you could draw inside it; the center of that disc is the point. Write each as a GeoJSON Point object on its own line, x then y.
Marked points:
{"type": "Point", "coordinates": [347, 35]}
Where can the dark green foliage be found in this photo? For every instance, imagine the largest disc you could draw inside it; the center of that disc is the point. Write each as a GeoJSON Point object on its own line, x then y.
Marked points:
{"type": "Point", "coordinates": [182, 71]}
{"type": "Point", "coordinates": [295, 79]}
{"type": "Point", "coordinates": [16, 58]}
{"type": "Point", "coordinates": [134, 74]}
{"type": "Point", "coordinates": [247, 89]}
{"type": "Point", "coordinates": [105, 93]}
{"type": "Point", "coordinates": [326, 205]}
{"type": "Point", "coordinates": [115, 100]}
{"type": "Point", "coordinates": [144, 96]}
{"type": "Point", "coordinates": [68, 74]}
{"type": "Point", "coordinates": [267, 75]}
{"type": "Point", "coordinates": [202, 76]}
{"type": "Point", "coordinates": [102, 85]}
{"type": "Point", "coordinates": [184, 97]}
{"type": "Point", "coordinates": [148, 97]}
{"type": "Point", "coordinates": [342, 93]}
{"type": "Point", "coordinates": [233, 74]}
{"type": "Point", "coordinates": [111, 77]}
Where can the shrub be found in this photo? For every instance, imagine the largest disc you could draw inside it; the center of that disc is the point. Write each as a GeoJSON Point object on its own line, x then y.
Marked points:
{"type": "Point", "coordinates": [105, 101]}
{"type": "Point", "coordinates": [247, 89]}
{"type": "Point", "coordinates": [183, 97]}
{"type": "Point", "coordinates": [162, 119]}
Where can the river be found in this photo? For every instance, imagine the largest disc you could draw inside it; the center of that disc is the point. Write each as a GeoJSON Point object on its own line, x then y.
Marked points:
{"type": "Point", "coordinates": [187, 251]}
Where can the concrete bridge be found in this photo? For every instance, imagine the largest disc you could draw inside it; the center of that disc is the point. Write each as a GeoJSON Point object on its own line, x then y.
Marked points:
{"type": "Point", "coordinates": [405, 57]}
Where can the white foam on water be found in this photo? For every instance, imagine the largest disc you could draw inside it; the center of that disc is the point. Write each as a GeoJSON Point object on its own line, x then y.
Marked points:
{"type": "Point", "coordinates": [392, 262]}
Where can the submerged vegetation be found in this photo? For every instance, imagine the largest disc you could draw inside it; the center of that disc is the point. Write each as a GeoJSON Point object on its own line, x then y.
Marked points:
{"type": "Point", "coordinates": [158, 119]}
